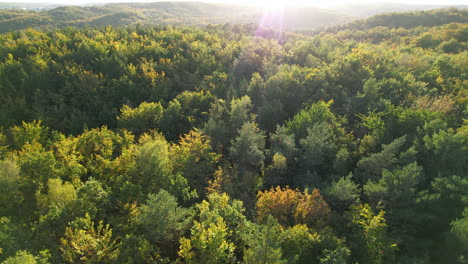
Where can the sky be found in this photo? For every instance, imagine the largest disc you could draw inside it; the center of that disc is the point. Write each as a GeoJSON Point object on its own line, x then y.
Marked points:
{"type": "Point", "coordinates": [256, 2]}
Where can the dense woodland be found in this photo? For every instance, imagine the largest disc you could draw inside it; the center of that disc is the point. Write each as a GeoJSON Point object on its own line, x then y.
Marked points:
{"type": "Point", "coordinates": [235, 144]}
{"type": "Point", "coordinates": [173, 13]}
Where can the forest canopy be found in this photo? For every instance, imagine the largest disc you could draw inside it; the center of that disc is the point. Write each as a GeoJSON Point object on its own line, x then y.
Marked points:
{"type": "Point", "coordinates": [236, 144]}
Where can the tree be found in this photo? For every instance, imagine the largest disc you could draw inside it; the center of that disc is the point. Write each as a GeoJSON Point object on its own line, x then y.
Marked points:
{"type": "Point", "coordinates": [459, 231]}
{"type": "Point", "coordinates": [343, 193]}
{"type": "Point", "coordinates": [86, 243]}
{"type": "Point", "coordinates": [370, 168]}
{"type": "Point", "coordinates": [28, 133]}
{"type": "Point", "coordinates": [162, 220]}
{"type": "Point", "coordinates": [13, 237]}
{"type": "Point", "coordinates": [187, 111]}
{"type": "Point", "coordinates": [141, 119]}
{"type": "Point", "coordinates": [368, 240]}
{"type": "Point", "coordinates": [195, 160]}
{"type": "Point", "coordinates": [247, 150]}
{"type": "Point", "coordinates": [208, 242]}
{"type": "Point", "coordinates": [153, 167]}
{"type": "Point", "coordinates": [276, 172]}
{"type": "Point", "coordinates": [303, 245]}
{"type": "Point", "coordinates": [24, 257]}
{"type": "Point", "coordinates": [395, 188]}
{"type": "Point", "coordinates": [318, 151]}
{"type": "Point", "coordinates": [290, 207]}
{"type": "Point", "coordinates": [10, 194]}
{"type": "Point", "coordinates": [263, 243]}
{"type": "Point", "coordinates": [59, 194]}
{"type": "Point", "coordinates": [317, 113]}
{"type": "Point", "coordinates": [239, 113]}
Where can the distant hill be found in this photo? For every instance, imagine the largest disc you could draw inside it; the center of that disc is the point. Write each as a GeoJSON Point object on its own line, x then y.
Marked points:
{"type": "Point", "coordinates": [29, 6]}
{"type": "Point", "coordinates": [407, 20]}
{"type": "Point", "coordinates": [368, 10]}
{"type": "Point", "coordinates": [177, 13]}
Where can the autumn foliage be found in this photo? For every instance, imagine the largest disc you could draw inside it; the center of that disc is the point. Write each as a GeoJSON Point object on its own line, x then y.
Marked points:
{"type": "Point", "coordinates": [291, 207]}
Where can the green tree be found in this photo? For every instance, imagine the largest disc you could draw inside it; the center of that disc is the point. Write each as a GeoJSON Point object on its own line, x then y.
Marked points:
{"type": "Point", "coordinates": [369, 240]}
{"type": "Point", "coordinates": [343, 193]}
{"type": "Point", "coordinates": [86, 243]}
{"type": "Point", "coordinates": [141, 119]}
{"type": "Point", "coordinates": [24, 257]}
{"type": "Point", "coordinates": [195, 160]}
{"type": "Point", "coordinates": [59, 194]}
{"type": "Point", "coordinates": [240, 112]}
{"type": "Point", "coordinates": [247, 150]}
{"type": "Point", "coordinates": [187, 111]}
{"type": "Point", "coordinates": [162, 220]}
{"type": "Point", "coordinates": [263, 243]}
{"type": "Point", "coordinates": [10, 194]}
{"type": "Point", "coordinates": [208, 241]}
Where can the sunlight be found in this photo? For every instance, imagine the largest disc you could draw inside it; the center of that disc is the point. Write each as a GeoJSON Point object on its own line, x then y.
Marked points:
{"type": "Point", "coordinates": [277, 5]}
{"type": "Point", "coordinates": [273, 6]}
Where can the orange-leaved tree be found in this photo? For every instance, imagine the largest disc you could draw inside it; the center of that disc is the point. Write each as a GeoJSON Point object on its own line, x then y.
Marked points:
{"type": "Point", "coordinates": [291, 207]}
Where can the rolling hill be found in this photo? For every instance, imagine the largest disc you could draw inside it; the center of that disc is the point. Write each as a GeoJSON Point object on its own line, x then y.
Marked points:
{"type": "Point", "coordinates": [176, 13]}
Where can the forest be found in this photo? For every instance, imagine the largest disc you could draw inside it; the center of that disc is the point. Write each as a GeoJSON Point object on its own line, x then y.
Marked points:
{"type": "Point", "coordinates": [171, 13]}
{"type": "Point", "coordinates": [236, 143]}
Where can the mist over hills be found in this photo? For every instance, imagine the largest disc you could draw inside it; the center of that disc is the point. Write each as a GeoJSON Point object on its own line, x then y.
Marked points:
{"type": "Point", "coordinates": [17, 16]}
{"type": "Point", "coordinates": [177, 13]}
{"type": "Point", "coordinates": [368, 10]}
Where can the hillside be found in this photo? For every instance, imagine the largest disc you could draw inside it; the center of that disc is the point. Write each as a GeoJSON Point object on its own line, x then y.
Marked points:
{"type": "Point", "coordinates": [407, 20]}
{"type": "Point", "coordinates": [176, 13]}
{"type": "Point", "coordinates": [372, 9]}
{"type": "Point", "coordinates": [232, 143]}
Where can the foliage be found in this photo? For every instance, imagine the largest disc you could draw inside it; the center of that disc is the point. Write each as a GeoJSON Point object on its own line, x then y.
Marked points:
{"type": "Point", "coordinates": [290, 207]}
{"type": "Point", "coordinates": [141, 119]}
{"type": "Point", "coordinates": [87, 243]}
{"type": "Point", "coordinates": [369, 238]}
{"type": "Point", "coordinates": [162, 220]}
{"type": "Point", "coordinates": [184, 140]}
{"type": "Point", "coordinates": [208, 241]}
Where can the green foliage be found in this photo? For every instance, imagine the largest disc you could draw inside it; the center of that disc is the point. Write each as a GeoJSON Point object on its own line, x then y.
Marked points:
{"type": "Point", "coordinates": [24, 257]}
{"type": "Point", "coordinates": [141, 119]}
{"type": "Point", "coordinates": [193, 158]}
{"type": "Point", "coordinates": [239, 111]}
{"type": "Point", "coordinates": [87, 243]}
{"type": "Point", "coordinates": [369, 239]}
{"type": "Point", "coordinates": [319, 150]}
{"type": "Point", "coordinates": [13, 237]}
{"type": "Point", "coordinates": [58, 194]}
{"type": "Point", "coordinates": [263, 243]}
{"type": "Point", "coordinates": [186, 111]}
{"type": "Point", "coordinates": [247, 149]}
{"type": "Point", "coordinates": [370, 168]}
{"type": "Point", "coordinates": [28, 133]}
{"type": "Point", "coordinates": [162, 220]}
{"type": "Point", "coordinates": [342, 193]}
{"type": "Point", "coordinates": [208, 241]}
{"type": "Point", "coordinates": [10, 195]}
{"type": "Point", "coordinates": [460, 232]}
{"type": "Point", "coordinates": [302, 245]}
{"type": "Point", "coordinates": [395, 187]}
{"type": "Point", "coordinates": [136, 249]}
{"type": "Point", "coordinates": [317, 113]}
{"type": "Point", "coordinates": [152, 163]}
{"type": "Point", "coordinates": [164, 124]}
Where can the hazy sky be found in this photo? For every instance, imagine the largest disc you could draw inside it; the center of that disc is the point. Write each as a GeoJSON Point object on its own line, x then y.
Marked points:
{"type": "Point", "coordinates": [257, 2]}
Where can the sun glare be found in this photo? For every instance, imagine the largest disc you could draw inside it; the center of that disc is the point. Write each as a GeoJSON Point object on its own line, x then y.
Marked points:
{"type": "Point", "coordinates": [274, 5]}
{"type": "Point", "coordinates": [280, 4]}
